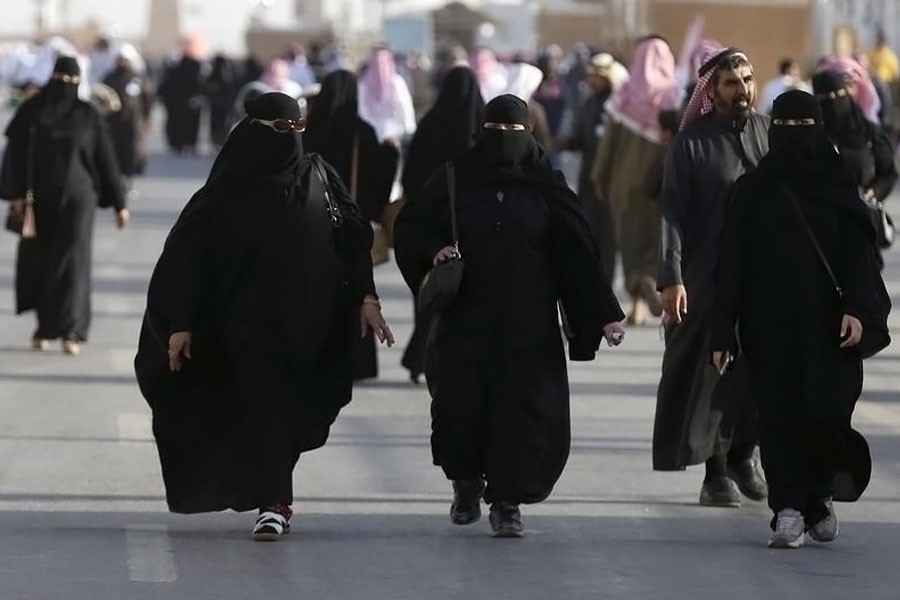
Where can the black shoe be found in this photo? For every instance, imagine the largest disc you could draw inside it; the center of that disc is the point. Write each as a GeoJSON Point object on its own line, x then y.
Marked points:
{"type": "Point", "coordinates": [466, 507]}
{"type": "Point", "coordinates": [749, 479]}
{"type": "Point", "coordinates": [506, 520]}
{"type": "Point", "coordinates": [720, 491]}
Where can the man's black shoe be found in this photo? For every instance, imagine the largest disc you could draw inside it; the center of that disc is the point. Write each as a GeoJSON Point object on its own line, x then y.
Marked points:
{"type": "Point", "coordinates": [466, 507]}
{"type": "Point", "coordinates": [720, 491]}
{"type": "Point", "coordinates": [749, 479]}
{"type": "Point", "coordinates": [506, 520]}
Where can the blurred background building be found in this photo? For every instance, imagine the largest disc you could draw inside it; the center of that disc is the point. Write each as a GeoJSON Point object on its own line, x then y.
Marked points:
{"type": "Point", "coordinates": [767, 29]}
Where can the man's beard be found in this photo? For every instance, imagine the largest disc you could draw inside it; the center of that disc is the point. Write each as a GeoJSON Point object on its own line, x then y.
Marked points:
{"type": "Point", "coordinates": [738, 109]}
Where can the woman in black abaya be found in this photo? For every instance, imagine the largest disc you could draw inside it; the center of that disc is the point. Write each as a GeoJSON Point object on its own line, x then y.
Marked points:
{"type": "Point", "coordinates": [866, 150]}
{"type": "Point", "coordinates": [800, 335]}
{"type": "Point", "coordinates": [262, 287]}
{"type": "Point", "coordinates": [65, 143]}
{"type": "Point", "coordinates": [444, 134]}
{"type": "Point", "coordinates": [495, 366]}
{"type": "Point", "coordinates": [335, 130]}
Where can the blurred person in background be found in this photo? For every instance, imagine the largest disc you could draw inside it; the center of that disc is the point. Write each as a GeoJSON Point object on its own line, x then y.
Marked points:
{"type": "Point", "coordinates": [605, 75]}
{"type": "Point", "coordinates": [553, 96]}
{"type": "Point", "coordinates": [789, 78]}
{"type": "Point", "coordinates": [865, 148]}
{"type": "Point", "coordinates": [523, 80]}
{"type": "Point", "coordinates": [859, 84]}
{"type": "Point", "coordinates": [335, 131]}
{"type": "Point", "coordinates": [221, 88]}
{"type": "Point", "coordinates": [129, 125]}
{"type": "Point", "coordinates": [300, 69]}
{"type": "Point", "coordinates": [491, 74]}
{"type": "Point", "coordinates": [446, 57]}
{"type": "Point", "coordinates": [887, 112]}
{"type": "Point", "coordinates": [103, 57]}
{"type": "Point", "coordinates": [181, 92]}
{"type": "Point", "coordinates": [384, 99]}
{"type": "Point", "coordinates": [884, 62]}
{"type": "Point", "coordinates": [444, 134]}
{"type": "Point", "coordinates": [631, 143]}
{"type": "Point", "coordinates": [60, 150]}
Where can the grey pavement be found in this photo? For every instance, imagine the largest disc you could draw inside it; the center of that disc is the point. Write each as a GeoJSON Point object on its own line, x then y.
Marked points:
{"type": "Point", "coordinates": [82, 511]}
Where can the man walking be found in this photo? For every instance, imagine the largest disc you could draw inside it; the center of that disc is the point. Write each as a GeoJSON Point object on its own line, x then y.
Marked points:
{"type": "Point", "coordinates": [703, 415]}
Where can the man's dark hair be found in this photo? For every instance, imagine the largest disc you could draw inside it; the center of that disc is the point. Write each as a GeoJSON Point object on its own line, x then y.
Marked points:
{"type": "Point", "coordinates": [728, 62]}
{"type": "Point", "coordinates": [785, 65]}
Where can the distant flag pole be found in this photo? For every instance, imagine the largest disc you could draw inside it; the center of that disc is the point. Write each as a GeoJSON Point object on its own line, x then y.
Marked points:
{"type": "Point", "coordinates": [692, 38]}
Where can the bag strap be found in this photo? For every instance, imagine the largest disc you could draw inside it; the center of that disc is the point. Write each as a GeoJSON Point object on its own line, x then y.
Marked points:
{"type": "Point", "coordinates": [813, 239]}
{"type": "Point", "coordinates": [333, 211]}
{"type": "Point", "coordinates": [29, 173]}
{"type": "Point", "coordinates": [451, 192]}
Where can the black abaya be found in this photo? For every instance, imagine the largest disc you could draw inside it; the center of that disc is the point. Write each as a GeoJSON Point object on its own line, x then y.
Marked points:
{"type": "Point", "coordinates": [128, 125]}
{"type": "Point", "coordinates": [495, 366]}
{"type": "Point", "coordinates": [270, 289]}
{"type": "Point", "coordinates": [180, 92]}
{"type": "Point", "coordinates": [74, 172]}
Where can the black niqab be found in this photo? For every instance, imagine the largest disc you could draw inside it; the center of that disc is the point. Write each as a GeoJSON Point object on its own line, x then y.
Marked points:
{"type": "Point", "coordinates": [256, 150]}
{"type": "Point", "coordinates": [802, 156]}
{"type": "Point", "coordinates": [506, 148]}
{"type": "Point", "coordinates": [844, 121]}
{"type": "Point", "coordinates": [447, 130]}
{"type": "Point", "coordinates": [60, 97]}
{"type": "Point", "coordinates": [332, 122]}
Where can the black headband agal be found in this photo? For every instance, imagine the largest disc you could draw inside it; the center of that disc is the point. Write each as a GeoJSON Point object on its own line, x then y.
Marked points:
{"type": "Point", "coordinates": [720, 58]}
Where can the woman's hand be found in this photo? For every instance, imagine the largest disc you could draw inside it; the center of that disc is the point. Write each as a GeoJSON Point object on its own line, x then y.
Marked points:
{"type": "Point", "coordinates": [446, 253]}
{"type": "Point", "coordinates": [370, 317]}
{"type": "Point", "coordinates": [851, 331]}
{"type": "Point", "coordinates": [179, 349]}
{"type": "Point", "coordinates": [122, 218]}
{"type": "Point", "coordinates": [614, 333]}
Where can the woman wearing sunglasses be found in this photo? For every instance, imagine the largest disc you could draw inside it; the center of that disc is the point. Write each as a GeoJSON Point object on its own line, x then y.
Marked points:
{"type": "Point", "coordinates": [495, 364]}
{"type": "Point", "coordinates": [244, 356]}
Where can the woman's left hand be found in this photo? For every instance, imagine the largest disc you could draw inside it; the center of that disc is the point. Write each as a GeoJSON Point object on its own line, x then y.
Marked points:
{"type": "Point", "coordinates": [851, 331]}
{"type": "Point", "coordinates": [122, 218]}
{"type": "Point", "coordinates": [370, 317]}
{"type": "Point", "coordinates": [614, 333]}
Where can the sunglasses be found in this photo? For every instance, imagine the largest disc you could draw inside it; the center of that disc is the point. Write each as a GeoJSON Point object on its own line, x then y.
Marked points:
{"type": "Point", "coordinates": [833, 95]}
{"type": "Point", "coordinates": [283, 125]}
{"type": "Point", "coordinates": [73, 79]}
{"type": "Point", "coordinates": [794, 122]}
{"type": "Point", "coordinates": [505, 126]}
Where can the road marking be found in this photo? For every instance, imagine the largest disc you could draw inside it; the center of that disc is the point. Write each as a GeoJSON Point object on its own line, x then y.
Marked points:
{"type": "Point", "coordinates": [135, 427]}
{"type": "Point", "coordinates": [880, 415]}
{"type": "Point", "coordinates": [150, 556]}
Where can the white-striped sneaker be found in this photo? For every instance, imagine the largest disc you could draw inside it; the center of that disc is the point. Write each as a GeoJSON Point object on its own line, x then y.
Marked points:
{"type": "Point", "coordinates": [270, 526]}
{"type": "Point", "coordinates": [827, 529]}
{"type": "Point", "coordinates": [790, 529]}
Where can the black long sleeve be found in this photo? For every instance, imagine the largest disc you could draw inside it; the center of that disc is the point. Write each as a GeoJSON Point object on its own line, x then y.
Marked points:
{"type": "Point", "coordinates": [673, 203]}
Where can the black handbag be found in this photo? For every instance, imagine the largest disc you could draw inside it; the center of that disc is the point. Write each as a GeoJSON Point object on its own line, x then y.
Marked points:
{"type": "Point", "coordinates": [884, 226]}
{"type": "Point", "coordinates": [874, 339]}
{"type": "Point", "coordinates": [22, 222]}
{"type": "Point", "coordinates": [439, 288]}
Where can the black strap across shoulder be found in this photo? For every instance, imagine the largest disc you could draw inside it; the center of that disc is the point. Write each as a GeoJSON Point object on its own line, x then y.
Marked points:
{"type": "Point", "coordinates": [813, 239]}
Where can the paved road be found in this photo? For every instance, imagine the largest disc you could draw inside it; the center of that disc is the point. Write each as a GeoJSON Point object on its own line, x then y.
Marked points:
{"type": "Point", "coordinates": [81, 499]}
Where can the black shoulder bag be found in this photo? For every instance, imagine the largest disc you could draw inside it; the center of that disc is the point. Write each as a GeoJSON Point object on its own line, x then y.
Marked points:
{"type": "Point", "coordinates": [439, 288]}
{"type": "Point", "coordinates": [331, 207]}
{"type": "Point", "coordinates": [873, 339]}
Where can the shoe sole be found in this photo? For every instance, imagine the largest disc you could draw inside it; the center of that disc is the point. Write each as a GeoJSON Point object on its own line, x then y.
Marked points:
{"type": "Point", "coordinates": [508, 534]}
{"type": "Point", "coordinates": [827, 540]}
{"type": "Point", "coordinates": [265, 537]}
{"type": "Point", "coordinates": [464, 522]}
{"type": "Point", "coordinates": [715, 504]}
{"type": "Point", "coordinates": [786, 544]}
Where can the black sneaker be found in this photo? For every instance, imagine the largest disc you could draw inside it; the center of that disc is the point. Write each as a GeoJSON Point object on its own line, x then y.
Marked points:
{"type": "Point", "coordinates": [466, 507]}
{"type": "Point", "coordinates": [271, 524]}
{"type": "Point", "coordinates": [749, 479]}
{"type": "Point", "coordinates": [506, 520]}
{"type": "Point", "coordinates": [720, 491]}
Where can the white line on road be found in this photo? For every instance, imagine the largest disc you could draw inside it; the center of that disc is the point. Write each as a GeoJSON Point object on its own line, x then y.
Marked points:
{"type": "Point", "coordinates": [150, 556]}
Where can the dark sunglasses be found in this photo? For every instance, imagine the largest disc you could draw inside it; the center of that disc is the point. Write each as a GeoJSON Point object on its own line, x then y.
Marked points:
{"type": "Point", "coordinates": [283, 125]}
